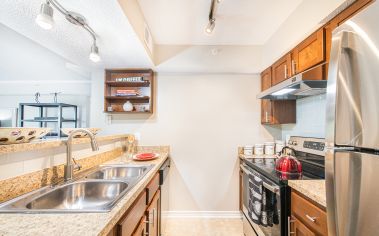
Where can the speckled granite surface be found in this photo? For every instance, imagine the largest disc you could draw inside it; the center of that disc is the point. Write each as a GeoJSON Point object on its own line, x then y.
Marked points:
{"type": "Point", "coordinates": [80, 223]}
{"type": "Point", "coordinates": [43, 144]}
{"type": "Point", "coordinates": [313, 189]}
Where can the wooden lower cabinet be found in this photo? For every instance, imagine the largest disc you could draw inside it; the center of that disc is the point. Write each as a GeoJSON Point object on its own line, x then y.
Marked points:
{"type": "Point", "coordinates": [142, 218]}
{"type": "Point", "coordinates": [141, 229]}
{"type": "Point", "coordinates": [299, 229]}
{"type": "Point", "coordinates": [153, 215]}
{"type": "Point", "coordinates": [307, 219]}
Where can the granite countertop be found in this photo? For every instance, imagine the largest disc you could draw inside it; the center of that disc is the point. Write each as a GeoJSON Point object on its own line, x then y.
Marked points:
{"type": "Point", "coordinates": [243, 156]}
{"type": "Point", "coordinates": [79, 223]}
{"type": "Point", "coordinates": [313, 189]}
{"type": "Point", "coordinates": [52, 143]}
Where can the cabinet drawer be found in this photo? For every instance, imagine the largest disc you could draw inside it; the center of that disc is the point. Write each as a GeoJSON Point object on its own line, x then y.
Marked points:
{"type": "Point", "coordinates": [151, 188]}
{"type": "Point", "coordinates": [310, 215]}
{"type": "Point", "coordinates": [133, 216]}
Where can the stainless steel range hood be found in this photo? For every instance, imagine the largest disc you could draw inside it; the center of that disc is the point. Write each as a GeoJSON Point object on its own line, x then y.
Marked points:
{"type": "Point", "coordinates": [308, 83]}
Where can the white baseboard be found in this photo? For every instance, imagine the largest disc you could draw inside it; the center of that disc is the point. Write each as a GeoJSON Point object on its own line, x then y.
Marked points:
{"type": "Point", "coordinates": [202, 214]}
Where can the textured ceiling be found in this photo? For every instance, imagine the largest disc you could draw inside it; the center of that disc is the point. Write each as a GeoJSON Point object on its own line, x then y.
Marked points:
{"type": "Point", "coordinates": [118, 44]}
{"type": "Point", "coordinates": [238, 22]}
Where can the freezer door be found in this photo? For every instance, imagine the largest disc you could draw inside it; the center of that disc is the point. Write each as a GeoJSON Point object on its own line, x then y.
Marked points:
{"type": "Point", "coordinates": [353, 82]}
{"type": "Point", "coordinates": [352, 188]}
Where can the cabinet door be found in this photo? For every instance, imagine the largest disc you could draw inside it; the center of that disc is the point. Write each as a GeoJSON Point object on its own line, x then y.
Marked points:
{"type": "Point", "coordinates": [153, 214]}
{"type": "Point", "coordinates": [129, 222]}
{"type": "Point", "coordinates": [266, 109]}
{"type": "Point", "coordinates": [141, 229]}
{"type": "Point", "coordinates": [310, 52]}
{"type": "Point", "coordinates": [299, 229]}
{"type": "Point", "coordinates": [281, 70]}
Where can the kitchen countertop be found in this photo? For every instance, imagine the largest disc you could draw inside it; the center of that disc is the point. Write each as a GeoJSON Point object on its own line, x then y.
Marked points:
{"type": "Point", "coordinates": [313, 189]}
{"type": "Point", "coordinates": [79, 223]}
{"type": "Point", "coordinates": [52, 143]}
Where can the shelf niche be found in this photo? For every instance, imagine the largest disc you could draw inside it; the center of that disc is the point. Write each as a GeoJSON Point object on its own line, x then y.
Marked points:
{"type": "Point", "coordinates": [113, 103]}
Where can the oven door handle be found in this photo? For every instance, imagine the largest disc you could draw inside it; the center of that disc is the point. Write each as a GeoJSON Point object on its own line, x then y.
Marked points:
{"type": "Point", "coordinates": [273, 188]}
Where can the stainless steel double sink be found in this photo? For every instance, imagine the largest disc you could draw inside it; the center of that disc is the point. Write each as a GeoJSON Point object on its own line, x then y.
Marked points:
{"type": "Point", "coordinates": [98, 191]}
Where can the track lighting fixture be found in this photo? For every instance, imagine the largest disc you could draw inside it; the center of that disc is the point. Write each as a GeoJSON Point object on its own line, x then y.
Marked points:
{"type": "Point", "coordinates": [45, 20]}
{"type": "Point", "coordinates": [212, 19]}
{"type": "Point", "coordinates": [210, 27]}
{"type": "Point", "coordinates": [94, 55]}
{"type": "Point", "coordinates": [45, 17]}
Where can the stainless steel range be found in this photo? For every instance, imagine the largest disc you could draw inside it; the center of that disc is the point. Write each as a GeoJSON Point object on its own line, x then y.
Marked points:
{"type": "Point", "coordinates": [311, 153]}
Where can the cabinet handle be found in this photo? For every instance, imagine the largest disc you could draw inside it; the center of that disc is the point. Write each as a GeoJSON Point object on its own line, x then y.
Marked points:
{"type": "Point", "coordinates": [313, 219]}
{"type": "Point", "coordinates": [152, 215]}
{"type": "Point", "coordinates": [293, 67]}
{"type": "Point", "coordinates": [289, 225]}
{"type": "Point", "coordinates": [266, 117]}
{"type": "Point", "coordinates": [285, 71]}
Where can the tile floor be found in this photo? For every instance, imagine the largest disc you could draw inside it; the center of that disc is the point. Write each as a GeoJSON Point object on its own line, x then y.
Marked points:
{"type": "Point", "coordinates": [203, 227]}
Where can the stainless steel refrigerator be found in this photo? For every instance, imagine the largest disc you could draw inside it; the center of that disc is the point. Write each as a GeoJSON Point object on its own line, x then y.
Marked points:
{"type": "Point", "coordinates": [352, 127]}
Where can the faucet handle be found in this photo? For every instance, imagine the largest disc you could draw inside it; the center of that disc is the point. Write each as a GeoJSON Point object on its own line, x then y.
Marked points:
{"type": "Point", "coordinates": [77, 166]}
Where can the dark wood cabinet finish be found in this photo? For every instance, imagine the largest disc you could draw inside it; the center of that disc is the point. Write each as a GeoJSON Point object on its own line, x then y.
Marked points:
{"type": "Point", "coordinates": [309, 53]}
{"type": "Point", "coordinates": [308, 215]}
{"type": "Point", "coordinates": [275, 112]}
{"type": "Point", "coordinates": [141, 228]}
{"type": "Point", "coordinates": [299, 229]}
{"type": "Point", "coordinates": [153, 215]}
{"type": "Point", "coordinates": [281, 69]}
{"type": "Point", "coordinates": [152, 188]}
{"type": "Point", "coordinates": [146, 89]}
{"type": "Point", "coordinates": [133, 216]}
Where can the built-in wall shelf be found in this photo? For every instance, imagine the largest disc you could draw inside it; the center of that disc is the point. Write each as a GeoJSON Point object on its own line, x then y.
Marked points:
{"type": "Point", "coordinates": [133, 85]}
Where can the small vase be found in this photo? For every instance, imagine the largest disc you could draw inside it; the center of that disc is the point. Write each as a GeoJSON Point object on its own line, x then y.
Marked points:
{"type": "Point", "coordinates": [128, 106]}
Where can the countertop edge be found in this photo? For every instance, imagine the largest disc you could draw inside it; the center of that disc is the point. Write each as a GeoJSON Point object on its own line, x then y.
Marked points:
{"type": "Point", "coordinates": [312, 189]}
{"type": "Point", "coordinates": [44, 144]}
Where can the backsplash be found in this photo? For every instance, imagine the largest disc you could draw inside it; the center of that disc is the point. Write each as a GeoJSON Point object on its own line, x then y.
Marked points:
{"type": "Point", "coordinates": [310, 118]}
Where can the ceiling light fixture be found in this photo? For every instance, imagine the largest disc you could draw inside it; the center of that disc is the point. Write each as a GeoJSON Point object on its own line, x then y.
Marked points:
{"type": "Point", "coordinates": [211, 18]}
{"type": "Point", "coordinates": [210, 27]}
{"type": "Point", "coordinates": [45, 17]}
{"type": "Point", "coordinates": [94, 55]}
{"type": "Point", "coordinates": [45, 20]}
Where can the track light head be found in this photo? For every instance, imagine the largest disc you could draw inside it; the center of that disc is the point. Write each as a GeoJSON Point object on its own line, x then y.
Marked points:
{"type": "Point", "coordinates": [210, 27]}
{"type": "Point", "coordinates": [45, 17]}
{"type": "Point", "coordinates": [94, 55]}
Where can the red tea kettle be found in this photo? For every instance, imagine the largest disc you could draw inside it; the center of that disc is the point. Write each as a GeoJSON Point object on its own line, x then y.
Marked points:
{"type": "Point", "coordinates": [288, 164]}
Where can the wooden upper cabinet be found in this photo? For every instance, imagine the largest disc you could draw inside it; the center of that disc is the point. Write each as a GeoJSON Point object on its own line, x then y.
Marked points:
{"type": "Point", "coordinates": [281, 69]}
{"type": "Point", "coordinates": [352, 10]}
{"type": "Point", "coordinates": [310, 52]}
{"type": "Point", "coordinates": [266, 109]}
{"type": "Point", "coordinates": [266, 79]}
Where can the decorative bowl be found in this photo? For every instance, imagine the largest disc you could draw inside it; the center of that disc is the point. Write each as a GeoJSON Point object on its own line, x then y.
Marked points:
{"type": "Point", "coordinates": [14, 135]}
{"type": "Point", "coordinates": [68, 131]}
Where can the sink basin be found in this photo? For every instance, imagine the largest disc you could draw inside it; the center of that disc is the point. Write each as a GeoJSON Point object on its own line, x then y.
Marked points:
{"type": "Point", "coordinates": [81, 195]}
{"type": "Point", "coordinates": [118, 172]}
{"type": "Point", "coordinates": [97, 192]}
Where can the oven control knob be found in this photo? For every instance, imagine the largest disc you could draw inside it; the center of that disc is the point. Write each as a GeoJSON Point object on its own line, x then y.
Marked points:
{"type": "Point", "coordinates": [294, 143]}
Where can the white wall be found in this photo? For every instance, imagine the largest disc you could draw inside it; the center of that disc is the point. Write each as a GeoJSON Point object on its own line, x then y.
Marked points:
{"type": "Point", "coordinates": [27, 67]}
{"type": "Point", "coordinates": [310, 118]}
{"type": "Point", "coordinates": [204, 118]}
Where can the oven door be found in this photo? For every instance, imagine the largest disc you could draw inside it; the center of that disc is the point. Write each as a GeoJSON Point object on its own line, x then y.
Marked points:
{"type": "Point", "coordinates": [260, 230]}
